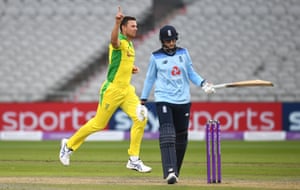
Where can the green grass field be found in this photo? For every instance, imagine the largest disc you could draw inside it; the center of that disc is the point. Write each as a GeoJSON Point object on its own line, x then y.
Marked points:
{"type": "Point", "coordinates": [101, 165]}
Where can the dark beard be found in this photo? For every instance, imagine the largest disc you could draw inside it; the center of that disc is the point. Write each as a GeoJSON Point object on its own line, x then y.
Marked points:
{"type": "Point", "coordinates": [169, 51]}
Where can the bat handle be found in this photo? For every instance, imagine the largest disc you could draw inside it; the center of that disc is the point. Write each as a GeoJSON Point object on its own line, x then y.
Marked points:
{"type": "Point", "coordinates": [219, 86]}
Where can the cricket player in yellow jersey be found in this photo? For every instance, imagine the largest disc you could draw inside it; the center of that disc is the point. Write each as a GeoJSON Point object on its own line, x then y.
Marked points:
{"type": "Point", "coordinates": [116, 92]}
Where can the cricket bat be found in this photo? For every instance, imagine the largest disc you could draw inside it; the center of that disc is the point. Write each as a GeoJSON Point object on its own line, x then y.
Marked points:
{"type": "Point", "coordinates": [244, 83]}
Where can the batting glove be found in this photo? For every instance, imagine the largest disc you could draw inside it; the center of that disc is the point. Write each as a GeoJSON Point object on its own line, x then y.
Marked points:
{"type": "Point", "coordinates": [208, 88]}
{"type": "Point", "coordinates": [141, 112]}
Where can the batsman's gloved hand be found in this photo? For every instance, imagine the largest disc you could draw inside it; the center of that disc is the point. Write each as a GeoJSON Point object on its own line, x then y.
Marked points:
{"type": "Point", "coordinates": [208, 88]}
{"type": "Point", "coordinates": [141, 112]}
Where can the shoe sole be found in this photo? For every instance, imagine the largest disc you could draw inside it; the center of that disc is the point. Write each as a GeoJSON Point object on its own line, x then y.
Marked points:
{"type": "Point", "coordinates": [132, 168]}
{"type": "Point", "coordinates": [63, 142]}
{"type": "Point", "coordinates": [172, 180]}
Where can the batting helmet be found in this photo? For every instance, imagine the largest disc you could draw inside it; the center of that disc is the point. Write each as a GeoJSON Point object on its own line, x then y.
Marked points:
{"type": "Point", "coordinates": [168, 33]}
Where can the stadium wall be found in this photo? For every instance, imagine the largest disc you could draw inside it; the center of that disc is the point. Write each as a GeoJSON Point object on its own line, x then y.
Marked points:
{"type": "Point", "coordinates": [251, 121]}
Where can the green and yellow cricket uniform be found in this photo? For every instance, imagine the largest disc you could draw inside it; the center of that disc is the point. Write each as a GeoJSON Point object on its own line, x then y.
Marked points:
{"type": "Point", "coordinates": [116, 92]}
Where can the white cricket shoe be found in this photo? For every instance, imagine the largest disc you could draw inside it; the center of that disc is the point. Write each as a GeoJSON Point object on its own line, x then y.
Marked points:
{"type": "Point", "coordinates": [65, 153]}
{"type": "Point", "coordinates": [138, 166]}
{"type": "Point", "coordinates": [172, 178]}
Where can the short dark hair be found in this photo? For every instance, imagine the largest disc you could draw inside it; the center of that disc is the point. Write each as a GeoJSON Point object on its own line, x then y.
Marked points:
{"type": "Point", "coordinates": [125, 21]}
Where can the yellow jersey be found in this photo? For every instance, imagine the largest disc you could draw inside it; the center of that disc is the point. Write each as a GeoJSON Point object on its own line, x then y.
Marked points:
{"type": "Point", "coordinates": [121, 61]}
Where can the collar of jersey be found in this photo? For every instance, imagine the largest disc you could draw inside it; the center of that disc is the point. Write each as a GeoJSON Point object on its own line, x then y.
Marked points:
{"type": "Point", "coordinates": [123, 37]}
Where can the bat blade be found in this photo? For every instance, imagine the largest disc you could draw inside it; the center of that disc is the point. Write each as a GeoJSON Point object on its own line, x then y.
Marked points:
{"type": "Point", "coordinates": [245, 83]}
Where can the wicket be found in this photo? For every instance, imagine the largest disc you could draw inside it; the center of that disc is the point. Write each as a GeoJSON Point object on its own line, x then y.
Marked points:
{"type": "Point", "coordinates": [213, 151]}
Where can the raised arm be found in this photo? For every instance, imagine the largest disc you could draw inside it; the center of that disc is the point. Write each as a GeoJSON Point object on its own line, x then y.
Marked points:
{"type": "Point", "coordinates": [114, 39]}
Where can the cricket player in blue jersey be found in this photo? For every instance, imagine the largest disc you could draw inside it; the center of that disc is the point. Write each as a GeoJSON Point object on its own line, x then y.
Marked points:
{"type": "Point", "coordinates": [171, 70]}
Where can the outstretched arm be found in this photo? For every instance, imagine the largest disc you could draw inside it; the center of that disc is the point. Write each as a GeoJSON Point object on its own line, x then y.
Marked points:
{"type": "Point", "coordinates": [114, 39]}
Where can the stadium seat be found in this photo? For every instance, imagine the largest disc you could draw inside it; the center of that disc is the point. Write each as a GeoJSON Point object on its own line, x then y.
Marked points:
{"type": "Point", "coordinates": [228, 40]}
